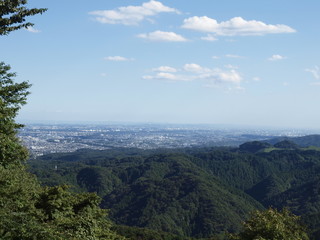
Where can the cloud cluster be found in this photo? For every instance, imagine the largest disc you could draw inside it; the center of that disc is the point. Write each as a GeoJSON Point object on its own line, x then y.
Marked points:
{"type": "Point", "coordinates": [237, 26]}
{"type": "Point", "coordinates": [32, 30]}
{"type": "Point", "coordinates": [234, 27]}
{"type": "Point", "coordinates": [276, 57]}
{"type": "Point", "coordinates": [160, 36]}
{"type": "Point", "coordinates": [132, 15]}
{"type": "Point", "coordinates": [315, 72]}
{"type": "Point", "coordinates": [165, 69]}
{"type": "Point", "coordinates": [194, 72]}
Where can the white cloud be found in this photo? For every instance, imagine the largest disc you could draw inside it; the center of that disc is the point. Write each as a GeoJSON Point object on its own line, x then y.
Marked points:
{"type": "Point", "coordinates": [165, 69]}
{"type": "Point", "coordinates": [256, 79]}
{"type": "Point", "coordinates": [192, 67]}
{"type": "Point", "coordinates": [209, 38]}
{"type": "Point", "coordinates": [32, 30]}
{"type": "Point", "coordinates": [215, 57]}
{"type": "Point", "coordinates": [132, 15]}
{"type": "Point", "coordinates": [276, 57]}
{"type": "Point", "coordinates": [315, 72]}
{"type": "Point", "coordinates": [203, 24]}
{"type": "Point", "coordinates": [159, 36]}
{"type": "Point", "coordinates": [118, 59]}
{"type": "Point", "coordinates": [230, 78]}
{"type": "Point", "coordinates": [167, 76]}
{"type": "Point", "coordinates": [234, 27]}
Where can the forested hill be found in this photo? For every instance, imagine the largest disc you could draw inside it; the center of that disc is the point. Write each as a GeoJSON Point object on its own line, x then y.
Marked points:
{"type": "Point", "coordinates": [197, 192]}
{"type": "Point", "coordinates": [304, 141]}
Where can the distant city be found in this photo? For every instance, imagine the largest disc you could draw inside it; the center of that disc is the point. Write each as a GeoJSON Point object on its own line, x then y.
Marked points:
{"type": "Point", "coordinates": [42, 139]}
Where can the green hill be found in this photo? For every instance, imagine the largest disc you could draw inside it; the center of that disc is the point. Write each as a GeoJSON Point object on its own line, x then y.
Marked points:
{"type": "Point", "coordinates": [304, 141]}
{"type": "Point", "coordinates": [254, 146]}
{"type": "Point", "coordinates": [286, 144]}
{"type": "Point", "coordinates": [195, 192]}
{"type": "Point", "coordinates": [172, 194]}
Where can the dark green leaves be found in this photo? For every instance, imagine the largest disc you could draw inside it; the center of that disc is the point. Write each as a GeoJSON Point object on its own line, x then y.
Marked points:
{"type": "Point", "coordinates": [272, 225]}
{"type": "Point", "coordinates": [13, 15]}
{"type": "Point", "coordinates": [28, 211]}
{"type": "Point", "coordinates": [12, 97]}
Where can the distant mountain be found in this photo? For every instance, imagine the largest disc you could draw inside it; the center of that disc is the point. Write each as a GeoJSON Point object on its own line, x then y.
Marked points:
{"type": "Point", "coordinates": [197, 192]}
{"type": "Point", "coordinates": [305, 141]}
{"type": "Point", "coordinates": [286, 144]}
{"type": "Point", "coordinates": [254, 146]}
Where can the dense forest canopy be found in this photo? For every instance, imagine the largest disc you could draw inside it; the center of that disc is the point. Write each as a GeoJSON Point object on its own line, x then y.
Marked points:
{"type": "Point", "coordinates": [195, 192]}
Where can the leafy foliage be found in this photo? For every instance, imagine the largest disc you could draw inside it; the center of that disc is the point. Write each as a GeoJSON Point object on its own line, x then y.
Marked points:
{"type": "Point", "coordinates": [18, 216]}
{"type": "Point", "coordinates": [146, 234]}
{"type": "Point", "coordinates": [272, 224]}
{"type": "Point", "coordinates": [27, 210]}
{"type": "Point", "coordinates": [74, 216]}
{"type": "Point", "coordinates": [12, 97]}
{"type": "Point", "coordinates": [13, 14]}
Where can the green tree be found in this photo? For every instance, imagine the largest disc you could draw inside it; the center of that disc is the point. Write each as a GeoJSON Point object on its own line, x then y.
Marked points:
{"type": "Point", "coordinates": [74, 216]}
{"type": "Point", "coordinates": [272, 225]}
{"type": "Point", "coordinates": [12, 97]}
{"type": "Point", "coordinates": [13, 15]}
{"type": "Point", "coordinates": [19, 219]}
{"type": "Point", "coordinates": [27, 210]}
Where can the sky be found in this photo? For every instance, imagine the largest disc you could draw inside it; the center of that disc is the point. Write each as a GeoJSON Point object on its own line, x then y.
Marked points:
{"type": "Point", "coordinates": [251, 63]}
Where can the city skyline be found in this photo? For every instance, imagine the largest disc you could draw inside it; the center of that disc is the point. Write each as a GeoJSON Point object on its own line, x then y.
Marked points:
{"type": "Point", "coordinates": [190, 62]}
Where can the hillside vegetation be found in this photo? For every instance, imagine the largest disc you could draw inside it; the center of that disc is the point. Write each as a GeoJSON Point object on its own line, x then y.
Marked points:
{"type": "Point", "coordinates": [194, 192]}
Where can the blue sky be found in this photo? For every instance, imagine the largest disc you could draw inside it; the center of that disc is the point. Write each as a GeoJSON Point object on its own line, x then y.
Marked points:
{"type": "Point", "coordinates": [253, 63]}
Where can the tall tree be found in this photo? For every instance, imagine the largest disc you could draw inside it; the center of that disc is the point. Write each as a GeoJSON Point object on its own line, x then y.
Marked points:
{"type": "Point", "coordinates": [27, 210]}
{"type": "Point", "coordinates": [13, 15]}
{"type": "Point", "coordinates": [12, 97]}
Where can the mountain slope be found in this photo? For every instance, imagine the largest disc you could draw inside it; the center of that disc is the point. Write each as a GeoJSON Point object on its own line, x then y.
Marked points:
{"type": "Point", "coordinates": [174, 195]}
{"type": "Point", "coordinates": [191, 192]}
